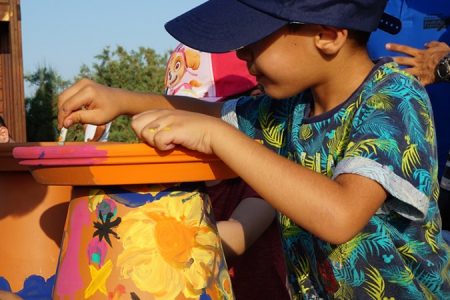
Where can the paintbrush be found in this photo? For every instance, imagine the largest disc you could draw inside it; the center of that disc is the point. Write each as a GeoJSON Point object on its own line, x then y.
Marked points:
{"type": "Point", "coordinates": [62, 136]}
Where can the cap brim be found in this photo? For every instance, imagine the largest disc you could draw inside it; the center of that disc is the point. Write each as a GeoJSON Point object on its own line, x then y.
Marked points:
{"type": "Point", "coordinates": [222, 25]}
{"type": "Point", "coordinates": [212, 99]}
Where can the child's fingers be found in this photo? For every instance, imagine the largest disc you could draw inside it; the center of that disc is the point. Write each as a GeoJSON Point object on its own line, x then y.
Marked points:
{"type": "Point", "coordinates": [76, 103]}
{"type": "Point", "coordinates": [155, 127]}
{"type": "Point", "coordinates": [159, 137]}
{"type": "Point", "coordinates": [65, 100]}
{"type": "Point", "coordinates": [71, 91]}
{"type": "Point", "coordinates": [147, 134]}
{"type": "Point", "coordinates": [138, 116]}
{"type": "Point", "coordinates": [83, 117]}
{"type": "Point", "coordinates": [150, 119]}
{"type": "Point", "coordinates": [164, 139]}
{"type": "Point", "coordinates": [142, 120]}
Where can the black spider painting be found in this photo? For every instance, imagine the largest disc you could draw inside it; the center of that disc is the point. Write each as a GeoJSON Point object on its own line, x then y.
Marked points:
{"type": "Point", "coordinates": [105, 227]}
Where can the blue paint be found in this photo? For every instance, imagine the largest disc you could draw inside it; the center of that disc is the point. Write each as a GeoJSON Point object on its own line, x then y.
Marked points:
{"type": "Point", "coordinates": [204, 296]}
{"type": "Point", "coordinates": [34, 288]}
{"type": "Point", "coordinates": [96, 258]}
{"type": "Point", "coordinates": [133, 199]}
{"type": "Point", "coordinates": [4, 285]}
{"type": "Point", "coordinates": [42, 155]}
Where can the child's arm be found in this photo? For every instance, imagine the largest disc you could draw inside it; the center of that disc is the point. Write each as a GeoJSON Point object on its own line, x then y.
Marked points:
{"type": "Point", "coordinates": [246, 224]}
{"type": "Point", "coordinates": [334, 210]}
{"type": "Point", "coordinates": [88, 102]}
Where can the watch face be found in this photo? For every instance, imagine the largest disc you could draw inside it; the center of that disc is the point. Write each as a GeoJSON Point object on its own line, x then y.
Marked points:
{"type": "Point", "coordinates": [443, 69]}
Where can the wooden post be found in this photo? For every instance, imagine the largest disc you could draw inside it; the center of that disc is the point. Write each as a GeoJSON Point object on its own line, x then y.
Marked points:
{"type": "Point", "coordinates": [12, 102]}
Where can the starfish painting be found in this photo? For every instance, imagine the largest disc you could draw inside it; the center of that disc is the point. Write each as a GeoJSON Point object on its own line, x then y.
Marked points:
{"type": "Point", "coordinates": [105, 227]}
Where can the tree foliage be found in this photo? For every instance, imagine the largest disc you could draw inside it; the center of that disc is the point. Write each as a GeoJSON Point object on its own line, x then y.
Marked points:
{"type": "Point", "coordinates": [41, 110]}
{"type": "Point", "coordinates": [142, 71]}
{"type": "Point", "coordinates": [139, 70]}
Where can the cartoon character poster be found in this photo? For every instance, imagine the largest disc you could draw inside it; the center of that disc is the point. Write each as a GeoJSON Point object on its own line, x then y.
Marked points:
{"type": "Point", "coordinates": [189, 73]}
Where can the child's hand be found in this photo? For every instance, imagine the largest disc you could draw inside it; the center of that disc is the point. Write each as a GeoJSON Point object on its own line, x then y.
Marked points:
{"type": "Point", "coordinates": [163, 129]}
{"type": "Point", "coordinates": [88, 102]}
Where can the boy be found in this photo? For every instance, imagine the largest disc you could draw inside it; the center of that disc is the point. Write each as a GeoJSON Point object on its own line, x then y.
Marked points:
{"type": "Point", "coordinates": [357, 192]}
{"type": "Point", "coordinates": [246, 223]}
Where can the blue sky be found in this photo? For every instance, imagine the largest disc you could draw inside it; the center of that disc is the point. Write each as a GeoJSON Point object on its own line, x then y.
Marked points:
{"type": "Point", "coordinates": [65, 34]}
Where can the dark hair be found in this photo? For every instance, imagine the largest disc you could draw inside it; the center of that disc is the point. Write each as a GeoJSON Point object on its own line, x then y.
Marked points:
{"type": "Point", "coordinates": [360, 37]}
{"type": "Point", "coordinates": [294, 27]}
{"type": "Point", "coordinates": [2, 122]}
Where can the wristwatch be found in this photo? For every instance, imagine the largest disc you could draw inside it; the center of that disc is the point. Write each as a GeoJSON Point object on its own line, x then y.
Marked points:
{"type": "Point", "coordinates": [443, 69]}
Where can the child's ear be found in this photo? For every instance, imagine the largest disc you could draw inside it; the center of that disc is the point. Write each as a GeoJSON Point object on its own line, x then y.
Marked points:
{"type": "Point", "coordinates": [330, 40]}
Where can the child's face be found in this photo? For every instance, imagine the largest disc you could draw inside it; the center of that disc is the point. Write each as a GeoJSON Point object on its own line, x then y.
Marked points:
{"type": "Point", "coordinates": [4, 134]}
{"type": "Point", "coordinates": [284, 63]}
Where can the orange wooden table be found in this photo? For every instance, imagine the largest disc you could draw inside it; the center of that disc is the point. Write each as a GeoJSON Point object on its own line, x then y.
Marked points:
{"type": "Point", "coordinates": [139, 225]}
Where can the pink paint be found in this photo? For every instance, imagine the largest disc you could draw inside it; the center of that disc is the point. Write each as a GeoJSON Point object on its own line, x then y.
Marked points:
{"type": "Point", "coordinates": [69, 279]}
{"type": "Point", "coordinates": [64, 162]}
{"type": "Point", "coordinates": [51, 152]}
{"type": "Point", "coordinates": [75, 155]}
{"type": "Point", "coordinates": [97, 247]}
{"type": "Point", "coordinates": [91, 154]}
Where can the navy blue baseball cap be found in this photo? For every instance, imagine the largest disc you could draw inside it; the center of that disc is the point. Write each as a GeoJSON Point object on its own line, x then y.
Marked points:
{"type": "Point", "coordinates": [226, 25]}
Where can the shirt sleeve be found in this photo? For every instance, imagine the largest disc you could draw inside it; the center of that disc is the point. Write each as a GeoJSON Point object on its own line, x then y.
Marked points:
{"type": "Point", "coordinates": [392, 142]}
{"type": "Point", "coordinates": [243, 113]}
{"type": "Point", "coordinates": [229, 113]}
{"type": "Point", "coordinates": [263, 119]}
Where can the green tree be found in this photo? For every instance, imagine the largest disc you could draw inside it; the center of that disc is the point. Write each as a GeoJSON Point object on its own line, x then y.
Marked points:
{"type": "Point", "coordinates": [142, 70]}
{"type": "Point", "coordinates": [41, 111]}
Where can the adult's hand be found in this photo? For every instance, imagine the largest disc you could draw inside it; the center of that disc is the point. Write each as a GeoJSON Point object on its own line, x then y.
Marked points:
{"type": "Point", "coordinates": [420, 62]}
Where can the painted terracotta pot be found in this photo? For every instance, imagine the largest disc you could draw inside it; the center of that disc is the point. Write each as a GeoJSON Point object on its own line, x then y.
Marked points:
{"type": "Point", "coordinates": [32, 219]}
{"type": "Point", "coordinates": [139, 225]}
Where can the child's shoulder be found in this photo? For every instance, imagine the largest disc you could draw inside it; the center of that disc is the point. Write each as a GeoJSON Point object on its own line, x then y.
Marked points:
{"type": "Point", "coordinates": [389, 71]}
{"type": "Point", "coordinates": [389, 80]}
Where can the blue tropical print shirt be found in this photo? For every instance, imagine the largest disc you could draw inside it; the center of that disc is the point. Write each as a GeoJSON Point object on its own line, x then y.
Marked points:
{"type": "Point", "coordinates": [385, 132]}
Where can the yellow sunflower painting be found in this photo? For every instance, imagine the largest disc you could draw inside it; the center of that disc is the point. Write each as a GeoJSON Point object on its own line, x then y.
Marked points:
{"type": "Point", "coordinates": [170, 249]}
